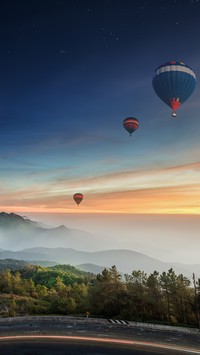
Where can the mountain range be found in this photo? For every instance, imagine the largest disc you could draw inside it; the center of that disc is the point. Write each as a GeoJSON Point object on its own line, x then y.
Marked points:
{"type": "Point", "coordinates": [125, 260]}
{"type": "Point", "coordinates": [17, 231]}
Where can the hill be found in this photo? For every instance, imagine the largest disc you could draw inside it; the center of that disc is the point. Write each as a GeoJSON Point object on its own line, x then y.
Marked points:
{"type": "Point", "coordinates": [125, 260]}
{"type": "Point", "coordinates": [15, 264]}
{"type": "Point", "coordinates": [12, 264]}
{"type": "Point", "coordinates": [26, 240]}
{"type": "Point", "coordinates": [95, 269]}
{"type": "Point", "coordinates": [17, 232]}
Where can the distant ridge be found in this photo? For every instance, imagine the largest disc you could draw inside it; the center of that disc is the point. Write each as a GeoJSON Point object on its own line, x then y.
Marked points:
{"type": "Point", "coordinates": [17, 232]}
{"type": "Point", "coordinates": [95, 269]}
{"type": "Point", "coordinates": [23, 239]}
{"type": "Point", "coordinates": [125, 260]}
{"type": "Point", "coordinates": [15, 264]}
{"type": "Point", "coordinates": [10, 219]}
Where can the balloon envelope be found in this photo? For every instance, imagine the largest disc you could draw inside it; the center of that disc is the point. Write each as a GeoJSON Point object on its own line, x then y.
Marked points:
{"type": "Point", "coordinates": [78, 198]}
{"type": "Point", "coordinates": [130, 124]}
{"type": "Point", "coordinates": [174, 82]}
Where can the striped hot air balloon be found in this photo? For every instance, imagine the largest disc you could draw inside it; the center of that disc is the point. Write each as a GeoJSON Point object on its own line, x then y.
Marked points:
{"type": "Point", "coordinates": [78, 197]}
{"type": "Point", "coordinates": [174, 82]}
{"type": "Point", "coordinates": [130, 124]}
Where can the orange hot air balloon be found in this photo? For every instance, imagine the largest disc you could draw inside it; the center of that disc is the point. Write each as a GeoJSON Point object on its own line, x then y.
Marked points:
{"type": "Point", "coordinates": [130, 124]}
{"type": "Point", "coordinates": [78, 197]}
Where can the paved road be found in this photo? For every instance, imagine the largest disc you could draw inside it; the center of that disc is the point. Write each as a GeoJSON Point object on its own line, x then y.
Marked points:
{"type": "Point", "coordinates": [57, 346]}
{"type": "Point", "coordinates": [134, 337]}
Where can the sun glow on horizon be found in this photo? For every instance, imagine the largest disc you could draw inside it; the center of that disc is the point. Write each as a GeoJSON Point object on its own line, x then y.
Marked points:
{"type": "Point", "coordinates": [166, 190]}
{"type": "Point", "coordinates": [183, 200]}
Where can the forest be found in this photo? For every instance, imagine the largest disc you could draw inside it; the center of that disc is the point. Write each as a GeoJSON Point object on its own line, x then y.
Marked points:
{"type": "Point", "coordinates": [164, 298]}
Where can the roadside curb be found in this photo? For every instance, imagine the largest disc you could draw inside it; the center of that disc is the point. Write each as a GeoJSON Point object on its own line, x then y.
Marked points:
{"type": "Point", "coordinates": [117, 322]}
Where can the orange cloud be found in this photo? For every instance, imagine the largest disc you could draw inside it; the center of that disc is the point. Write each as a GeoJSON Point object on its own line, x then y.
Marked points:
{"type": "Point", "coordinates": [174, 189]}
{"type": "Point", "coordinates": [182, 199]}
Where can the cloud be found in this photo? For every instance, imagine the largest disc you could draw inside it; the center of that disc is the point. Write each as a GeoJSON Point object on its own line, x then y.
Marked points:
{"type": "Point", "coordinates": [173, 189]}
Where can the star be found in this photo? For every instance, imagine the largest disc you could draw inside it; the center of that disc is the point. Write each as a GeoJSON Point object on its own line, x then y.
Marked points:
{"type": "Point", "coordinates": [62, 51]}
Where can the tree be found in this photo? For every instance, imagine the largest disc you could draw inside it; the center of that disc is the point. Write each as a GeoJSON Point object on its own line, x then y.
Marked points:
{"type": "Point", "coordinates": [154, 297]}
{"type": "Point", "coordinates": [137, 290]}
{"type": "Point", "coordinates": [41, 291]}
{"type": "Point", "coordinates": [178, 296]}
{"type": "Point", "coordinates": [79, 292]}
{"type": "Point", "coordinates": [107, 294]}
{"type": "Point", "coordinates": [6, 281]}
{"type": "Point", "coordinates": [12, 308]}
{"type": "Point", "coordinates": [17, 288]}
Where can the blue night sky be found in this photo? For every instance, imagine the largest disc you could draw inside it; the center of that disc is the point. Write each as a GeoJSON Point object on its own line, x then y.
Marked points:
{"type": "Point", "coordinates": [70, 72]}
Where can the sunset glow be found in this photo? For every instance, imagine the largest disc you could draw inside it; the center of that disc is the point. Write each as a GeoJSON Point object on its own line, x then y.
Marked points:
{"type": "Point", "coordinates": [170, 190]}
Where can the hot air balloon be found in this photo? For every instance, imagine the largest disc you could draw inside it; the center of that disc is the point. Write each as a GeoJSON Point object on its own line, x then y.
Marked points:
{"type": "Point", "coordinates": [174, 82]}
{"type": "Point", "coordinates": [130, 124]}
{"type": "Point", "coordinates": [78, 198]}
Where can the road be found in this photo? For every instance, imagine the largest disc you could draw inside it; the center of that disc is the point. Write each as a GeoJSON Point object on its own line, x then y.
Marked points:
{"type": "Point", "coordinates": [82, 336]}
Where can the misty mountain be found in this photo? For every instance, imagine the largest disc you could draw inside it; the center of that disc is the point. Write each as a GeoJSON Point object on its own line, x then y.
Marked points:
{"type": "Point", "coordinates": [92, 268]}
{"type": "Point", "coordinates": [125, 260]}
{"type": "Point", "coordinates": [23, 255]}
{"type": "Point", "coordinates": [25, 239]}
{"type": "Point", "coordinates": [18, 232]}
